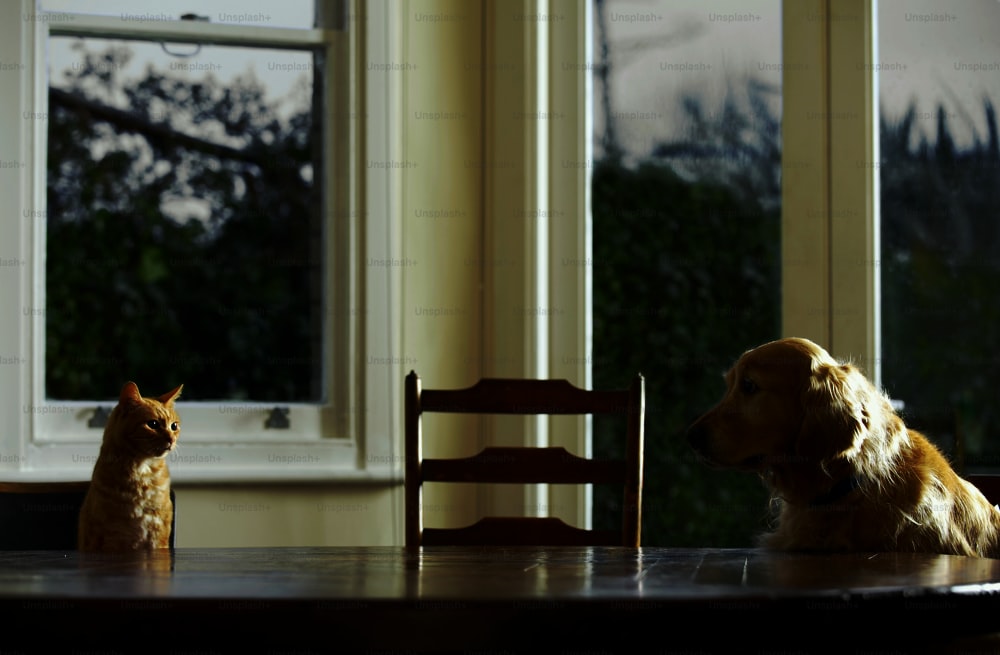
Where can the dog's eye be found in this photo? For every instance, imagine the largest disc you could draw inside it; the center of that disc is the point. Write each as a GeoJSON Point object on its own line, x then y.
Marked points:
{"type": "Point", "coordinates": [748, 386]}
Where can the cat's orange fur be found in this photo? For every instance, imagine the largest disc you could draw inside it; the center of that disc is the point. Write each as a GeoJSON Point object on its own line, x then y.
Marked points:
{"type": "Point", "coordinates": [127, 506]}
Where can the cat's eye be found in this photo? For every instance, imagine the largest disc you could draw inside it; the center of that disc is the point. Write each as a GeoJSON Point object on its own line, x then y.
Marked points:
{"type": "Point", "coordinates": [748, 386]}
{"type": "Point", "coordinates": [153, 423]}
{"type": "Point", "coordinates": [174, 427]}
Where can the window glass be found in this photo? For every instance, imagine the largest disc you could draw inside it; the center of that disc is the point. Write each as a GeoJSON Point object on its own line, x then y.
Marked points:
{"type": "Point", "coordinates": [686, 240]}
{"type": "Point", "coordinates": [184, 228]}
{"type": "Point", "coordinates": [262, 13]}
{"type": "Point", "coordinates": [939, 170]}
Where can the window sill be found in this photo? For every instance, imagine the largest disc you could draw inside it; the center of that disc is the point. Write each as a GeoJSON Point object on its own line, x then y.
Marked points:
{"type": "Point", "coordinates": [219, 462]}
{"type": "Point", "coordinates": [287, 475]}
{"type": "Point", "coordinates": [180, 476]}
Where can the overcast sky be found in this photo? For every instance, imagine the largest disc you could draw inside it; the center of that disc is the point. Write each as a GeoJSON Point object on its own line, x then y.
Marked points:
{"type": "Point", "coordinates": [930, 52]}
{"type": "Point", "coordinates": [940, 52]}
{"type": "Point", "coordinates": [283, 72]}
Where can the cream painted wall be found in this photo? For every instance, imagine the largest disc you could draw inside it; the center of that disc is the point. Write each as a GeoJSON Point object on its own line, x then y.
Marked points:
{"type": "Point", "coordinates": [286, 515]}
{"type": "Point", "coordinates": [443, 220]}
{"type": "Point", "coordinates": [442, 235]}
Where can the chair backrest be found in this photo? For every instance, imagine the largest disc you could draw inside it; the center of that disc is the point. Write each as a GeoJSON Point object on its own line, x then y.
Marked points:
{"type": "Point", "coordinates": [45, 515]}
{"type": "Point", "coordinates": [525, 465]}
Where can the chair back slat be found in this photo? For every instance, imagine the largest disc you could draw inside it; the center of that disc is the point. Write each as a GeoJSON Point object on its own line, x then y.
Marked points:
{"type": "Point", "coordinates": [512, 396]}
{"type": "Point", "coordinates": [524, 466]}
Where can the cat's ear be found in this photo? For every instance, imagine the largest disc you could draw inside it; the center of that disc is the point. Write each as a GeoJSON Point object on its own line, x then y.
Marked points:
{"type": "Point", "coordinates": [130, 395]}
{"type": "Point", "coordinates": [170, 396]}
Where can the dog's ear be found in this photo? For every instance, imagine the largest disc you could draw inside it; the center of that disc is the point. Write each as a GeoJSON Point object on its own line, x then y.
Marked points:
{"type": "Point", "coordinates": [834, 411]}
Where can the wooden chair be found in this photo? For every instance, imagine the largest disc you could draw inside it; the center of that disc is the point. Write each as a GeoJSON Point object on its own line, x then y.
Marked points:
{"type": "Point", "coordinates": [525, 465]}
{"type": "Point", "coordinates": [44, 515]}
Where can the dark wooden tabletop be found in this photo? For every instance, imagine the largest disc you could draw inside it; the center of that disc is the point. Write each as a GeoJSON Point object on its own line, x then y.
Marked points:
{"type": "Point", "coordinates": [473, 598]}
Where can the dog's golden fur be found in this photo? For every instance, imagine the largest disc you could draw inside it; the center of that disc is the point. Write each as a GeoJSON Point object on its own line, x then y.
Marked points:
{"type": "Point", "coordinates": [845, 472]}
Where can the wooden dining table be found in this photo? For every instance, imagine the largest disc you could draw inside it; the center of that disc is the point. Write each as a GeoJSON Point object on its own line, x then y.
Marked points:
{"type": "Point", "coordinates": [446, 599]}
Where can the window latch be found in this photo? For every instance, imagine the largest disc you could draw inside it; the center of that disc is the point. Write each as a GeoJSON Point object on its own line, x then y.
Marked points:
{"type": "Point", "coordinates": [100, 417]}
{"type": "Point", "coordinates": [278, 419]}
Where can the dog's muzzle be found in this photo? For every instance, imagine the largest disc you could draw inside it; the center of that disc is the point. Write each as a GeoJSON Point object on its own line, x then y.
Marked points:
{"type": "Point", "coordinates": [698, 439]}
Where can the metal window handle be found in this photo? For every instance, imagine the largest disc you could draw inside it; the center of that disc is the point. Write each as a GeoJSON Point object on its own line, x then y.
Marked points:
{"type": "Point", "coordinates": [197, 49]}
{"type": "Point", "coordinates": [278, 419]}
{"type": "Point", "coordinates": [100, 417]}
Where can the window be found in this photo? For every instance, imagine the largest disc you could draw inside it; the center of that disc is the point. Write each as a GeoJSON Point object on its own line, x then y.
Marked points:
{"type": "Point", "coordinates": [190, 214]}
{"type": "Point", "coordinates": [940, 257]}
{"type": "Point", "coordinates": [831, 282]}
{"type": "Point", "coordinates": [687, 236]}
{"type": "Point", "coordinates": [183, 221]}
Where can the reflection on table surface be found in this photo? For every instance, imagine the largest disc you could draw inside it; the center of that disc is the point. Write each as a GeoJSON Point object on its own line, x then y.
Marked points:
{"type": "Point", "coordinates": [468, 599]}
{"type": "Point", "coordinates": [485, 573]}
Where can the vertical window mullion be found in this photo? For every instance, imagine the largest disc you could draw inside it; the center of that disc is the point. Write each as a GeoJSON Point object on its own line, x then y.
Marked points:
{"type": "Point", "coordinates": [829, 194]}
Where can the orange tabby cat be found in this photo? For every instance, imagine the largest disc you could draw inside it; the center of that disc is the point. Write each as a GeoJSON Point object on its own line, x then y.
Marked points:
{"type": "Point", "coordinates": [128, 504]}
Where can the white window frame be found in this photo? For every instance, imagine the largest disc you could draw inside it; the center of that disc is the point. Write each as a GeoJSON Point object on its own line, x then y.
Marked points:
{"type": "Point", "coordinates": [348, 438]}
{"type": "Point", "coordinates": [537, 212]}
{"type": "Point", "coordinates": [830, 204]}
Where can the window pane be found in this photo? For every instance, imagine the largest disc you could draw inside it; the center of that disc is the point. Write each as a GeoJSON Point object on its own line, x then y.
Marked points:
{"type": "Point", "coordinates": [262, 13]}
{"type": "Point", "coordinates": [686, 247]}
{"type": "Point", "coordinates": [183, 226]}
{"type": "Point", "coordinates": [939, 170]}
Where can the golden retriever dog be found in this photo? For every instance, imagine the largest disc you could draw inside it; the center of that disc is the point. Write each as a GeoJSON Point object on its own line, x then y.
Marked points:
{"type": "Point", "coordinates": [845, 472]}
